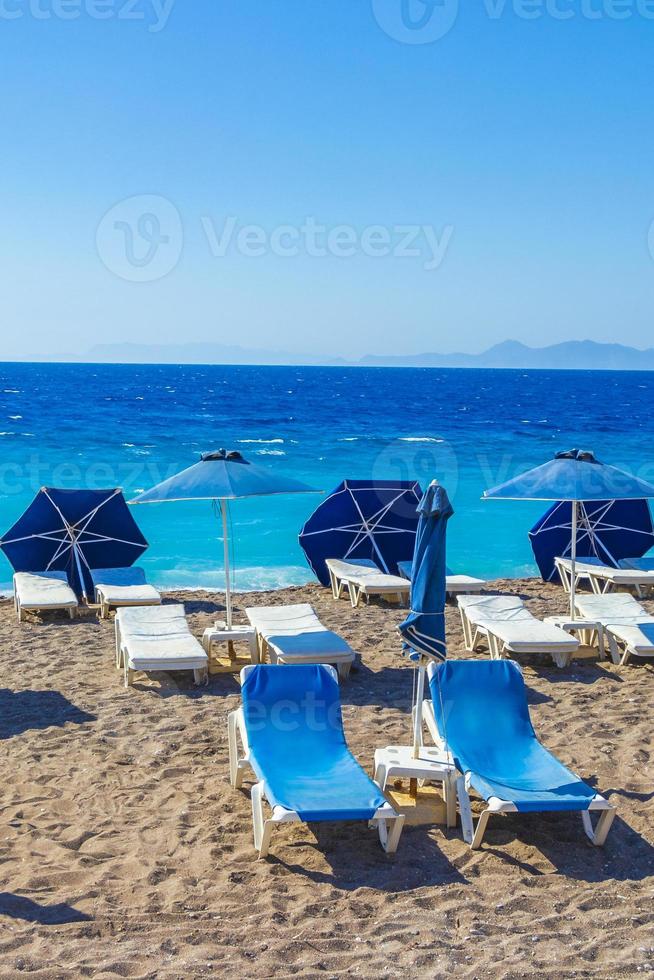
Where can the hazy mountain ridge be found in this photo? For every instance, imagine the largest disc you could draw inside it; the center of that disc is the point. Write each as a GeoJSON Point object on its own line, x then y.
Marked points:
{"type": "Point", "coordinates": [573, 354]}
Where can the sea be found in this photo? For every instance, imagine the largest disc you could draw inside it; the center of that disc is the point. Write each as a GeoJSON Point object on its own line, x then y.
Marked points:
{"type": "Point", "coordinates": [98, 426]}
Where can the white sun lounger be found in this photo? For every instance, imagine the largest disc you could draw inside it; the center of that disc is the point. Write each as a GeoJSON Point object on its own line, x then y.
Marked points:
{"type": "Point", "coordinates": [116, 587]}
{"type": "Point", "coordinates": [43, 592]}
{"type": "Point", "coordinates": [361, 577]}
{"type": "Point", "coordinates": [293, 634]}
{"type": "Point", "coordinates": [628, 626]}
{"type": "Point", "coordinates": [157, 638]}
{"type": "Point", "coordinates": [509, 628]}
{"type": "Point", "coordinates": [603, 578]}
{"type": "Point", "coordinates": [454, 584]}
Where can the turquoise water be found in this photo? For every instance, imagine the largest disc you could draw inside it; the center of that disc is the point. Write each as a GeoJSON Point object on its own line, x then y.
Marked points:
{"type": "Point", "coordinates": [131, 426]}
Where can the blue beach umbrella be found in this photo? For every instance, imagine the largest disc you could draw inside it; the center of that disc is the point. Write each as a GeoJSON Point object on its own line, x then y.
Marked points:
{"type": "Point", "coordinates": [606, 529]}
{"type": "Point", "coordinates": [423, 631]}
{"type": "Point", "coordinates": [363, 519]}
{"type": "Point", "coordinates": [222, 476]}
{"type": "Point", "coordinates": [74, 531]}
{"type": "Point", "coordinates": [573, 477]}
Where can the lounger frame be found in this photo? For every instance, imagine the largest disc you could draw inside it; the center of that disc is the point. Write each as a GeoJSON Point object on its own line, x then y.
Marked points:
{"type": "Point", "coordinates": [388, 823]}
{"type": "Point", "coordinates": [200, 674]}
{"type": "Point", "coordinates": [357, 587]}
{"type": "Point", "coordinates": [266, 648]}
{"type": "Point", "coordinates": [474, 835]}
{"type": "Point", "coordinates": [483, 630]}
{"type": "Point", "coordinates": [276, 655]}
{"type": "Point", "coordinates": [603, 579]}
{"type": "Point", "coordinates": [614, 614]}
{"type": "Point", "coordinates": [21, 607]}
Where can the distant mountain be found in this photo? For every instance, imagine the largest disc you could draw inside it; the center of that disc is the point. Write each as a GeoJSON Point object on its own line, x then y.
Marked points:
{"type": "Point", "coordinates": [195, 354]}
{"type": "Point", "coordinates": [579, 354]}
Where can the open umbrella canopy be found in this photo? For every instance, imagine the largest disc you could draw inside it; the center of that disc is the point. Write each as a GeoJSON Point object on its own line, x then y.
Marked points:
{"type": "Point", "coordinates": [424, 628]}
{"type": "Point", "coordinates": [607, 529]}
{"type": "Point", "coordinates": [363, 519]}
{"type": "Point", "coordinates": [573, 475]}
{"type": "Point", "coordinates": [221, 475]}
{"type": "Point", "coordinates": [74, 531]}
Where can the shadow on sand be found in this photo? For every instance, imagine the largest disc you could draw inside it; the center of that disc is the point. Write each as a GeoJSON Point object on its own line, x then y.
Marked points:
{"type": "Point", "coordinates": [18, 907]}
{"type": "Point", "coordinates": [418, 863]}
{"type": "Point", "coordinates": [21, 711]}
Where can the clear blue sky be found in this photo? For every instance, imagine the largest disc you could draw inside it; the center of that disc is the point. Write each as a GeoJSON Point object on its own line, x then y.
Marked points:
{"type": "Point", "coordinates": [526, 143]}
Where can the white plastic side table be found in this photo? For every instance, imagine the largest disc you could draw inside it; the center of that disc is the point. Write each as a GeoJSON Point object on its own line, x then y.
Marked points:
{"type": "Point", "coordinates": [236, 634]}
{"type": "Point", "coordinates": [396, 761]}
{"type": "Point", "coordinates": [580, 626]}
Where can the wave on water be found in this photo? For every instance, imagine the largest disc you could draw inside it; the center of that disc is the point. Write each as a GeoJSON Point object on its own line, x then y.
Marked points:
{"type": "Point", "coordinates": [420, 439]}
{"type": "Point", "coordinates": [254, 578]}
{"type": "Point", "coordinates": [262, 442]}
{"type": "Point", "coordinates": [270, 452]}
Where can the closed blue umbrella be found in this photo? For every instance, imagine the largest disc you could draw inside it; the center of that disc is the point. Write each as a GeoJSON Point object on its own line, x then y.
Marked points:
{"type": "Point", "coordinates": [222, 476]}
{"type": "Point", "coordinates": [573, 476]}
{"type": "Point", "coordinates": [423, 631]}
{"type": "Point", "coordinates": [608, 530]}
{"type": "Point", "coordinates": [74, 531]}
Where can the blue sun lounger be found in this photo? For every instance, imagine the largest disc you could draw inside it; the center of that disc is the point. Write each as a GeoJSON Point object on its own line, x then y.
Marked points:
{"type": "Point", "coordinates": [479, 709]}
{"type": "Point", "coordinates": [291, 733]}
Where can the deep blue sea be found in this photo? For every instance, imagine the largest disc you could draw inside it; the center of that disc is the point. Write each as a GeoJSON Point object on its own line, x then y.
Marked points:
{"type": "Point", "coordinates": [131, 426]}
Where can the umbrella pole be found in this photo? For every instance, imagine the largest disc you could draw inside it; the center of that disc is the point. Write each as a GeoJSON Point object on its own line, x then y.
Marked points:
{"type": "Point", "coordinates": [573, 561]}
{"type": "Point", "coordinates": [79, 569]}
{"type": "Point", "coordinates": [417, 714]}
{"type": "Point", "coordinates": [228, 594]}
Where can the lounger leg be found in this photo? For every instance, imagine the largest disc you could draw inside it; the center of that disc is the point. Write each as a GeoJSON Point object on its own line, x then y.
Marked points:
{"type": "Point", "coordinates": [614, 650]}
{"type": "Point", "coordinates": [467, 825]}
{"type": "Point", "coordinates": [467, 637]}
{"type": "Point", "coordinates": [235, 771]}
{"type": "Point", "coordinates": [262, 828]}
{"type": "Point", "coordinates": [71, 613]}
{"type": "Point", "coordinates": [355, 594]}
{"type": "Point", "coordinates": [201, 676]}
{"type": "Point", "coordinates": [129, 674]}
{"type": "Point", "coordinates": [449, 792]}
{"type": "Point", "coordinates": [625, 656]}
{"type": "Point", "coordinates": [20, 614]}
{"type": "Point", "coordinates": [344, 670]}
{"type": "Point", "coordinates": [494, 647]}
{"type": "Point", "coordinates": [599, 834]}
{"type": "Point", "coordinates": [390, 832]}
{"type": "Point", "coordinates": [480, 830]}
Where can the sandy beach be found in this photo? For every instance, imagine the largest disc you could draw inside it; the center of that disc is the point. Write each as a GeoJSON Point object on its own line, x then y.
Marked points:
{"type": "Point", "coordinates": [125, 852]}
